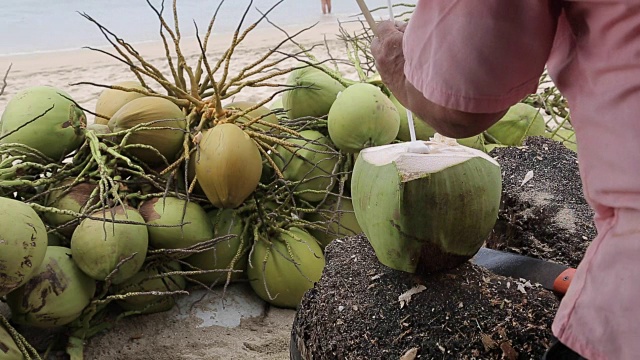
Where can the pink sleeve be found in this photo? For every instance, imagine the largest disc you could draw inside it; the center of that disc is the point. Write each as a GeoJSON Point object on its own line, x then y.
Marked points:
{"type": "Point", "coordinates": [478, 56]}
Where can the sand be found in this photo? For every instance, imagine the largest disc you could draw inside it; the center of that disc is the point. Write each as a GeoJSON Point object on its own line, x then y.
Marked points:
{"type": "Point", "coordinates": [160, 336]}
{"type": "Point", "coordinates": [65, 68]}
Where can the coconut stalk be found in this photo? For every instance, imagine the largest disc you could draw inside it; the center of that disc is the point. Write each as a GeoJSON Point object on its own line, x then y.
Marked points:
{"type": "Point", "coordinates": [27, 351]}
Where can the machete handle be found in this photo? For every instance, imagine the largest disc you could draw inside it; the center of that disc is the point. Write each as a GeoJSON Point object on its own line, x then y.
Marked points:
{"type": "Point", "coordinates": [562, 282]}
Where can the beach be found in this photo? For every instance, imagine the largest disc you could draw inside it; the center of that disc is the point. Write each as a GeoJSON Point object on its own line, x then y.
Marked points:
{"type": "Point", "coordinates": [160, 336]}
{"type": "Point", "coordinates": [65, 69]}
{"type": "Point", "coordinates": [47, 45]}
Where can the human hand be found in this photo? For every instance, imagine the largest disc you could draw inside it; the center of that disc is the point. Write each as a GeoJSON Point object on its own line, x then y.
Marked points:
{"type": "Point", "coordinates": [386, 49]}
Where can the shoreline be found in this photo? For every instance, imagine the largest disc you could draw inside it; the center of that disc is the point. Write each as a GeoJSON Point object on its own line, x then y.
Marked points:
{"type": "Point", "coordinates": [50, 59]}
{"type": "Point", "coordinates": [63, 68]}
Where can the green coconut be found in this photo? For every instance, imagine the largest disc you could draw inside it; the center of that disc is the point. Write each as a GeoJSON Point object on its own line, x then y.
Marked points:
{"type": "Point", "coordinates": [23, 243]}
{"type": "Point", "coordinates": [566, 136]}
{"type": "Point", "coordinates": [163, 113]}
{"type": "Point", "coordinates": [267, 116]}
{"type": "Point", "coordinates": [74, 199]}
{"type": "Point", "coordinates": [111, 100]}
{"type": "Point", "coordinates": [232, 253]}
{"type": "Point", "coordinates": [98, 246]}
{"type": "Point", "coordinates": [311, 163]}
{"type": "Point", "coordinates": [475, 142]}
{"type": "Point", "coordinates": [314, 93]}
{"type": "Point", "coordinates": [362, 116]}
{"type": "Point", "coordinates": [228, 165]}
{"type": "Point", "coordinates": [336, 218]}
{"type": "Point", "coordinates": [171, 211]}
{"type": "Point", "coordinates": [148, 280]}
{"type": "Point", "coordinates": [56, 295]}
{"type": "Point", "coordinates": [424, 212]}
{"type": "Point", "coordinates": [520, 121]}
{"type": "Point", "coordinates": [55, 134]}
{"type": "Point", "coordinates": [8, 348]}
{"type": "Point", "coordinates": [284, 269]}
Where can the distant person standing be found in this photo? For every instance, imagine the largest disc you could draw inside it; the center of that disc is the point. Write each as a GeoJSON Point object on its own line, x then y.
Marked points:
{"type": "Point", "coordinates": [326, 6]}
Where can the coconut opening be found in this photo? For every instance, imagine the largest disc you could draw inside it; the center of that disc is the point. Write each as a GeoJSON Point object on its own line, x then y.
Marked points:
{"type": "Point", "coordinates": [442, 154]}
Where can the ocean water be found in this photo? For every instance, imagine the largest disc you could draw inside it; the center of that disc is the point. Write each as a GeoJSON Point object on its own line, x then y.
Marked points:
{"type": "Point", "coordinates": [28, 26]}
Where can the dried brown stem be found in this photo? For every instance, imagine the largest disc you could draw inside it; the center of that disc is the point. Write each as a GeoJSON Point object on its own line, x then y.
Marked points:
{"type": "Point", "coordinates": [204, 45]}
{"type": "Point", "coordinates": [4, 79]}
{"type": "Point", "coordinates": [163, 25]}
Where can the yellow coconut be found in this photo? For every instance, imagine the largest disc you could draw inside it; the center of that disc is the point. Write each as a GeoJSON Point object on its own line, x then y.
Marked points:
{"type": "Point", "coordinates": [164, 114]}
{"type": "Point", "coordinates": [111, 100]}
{"type": "Point", "coordinates": [228, 165]}
{"type": "Point", "coordinates": [99, 129]}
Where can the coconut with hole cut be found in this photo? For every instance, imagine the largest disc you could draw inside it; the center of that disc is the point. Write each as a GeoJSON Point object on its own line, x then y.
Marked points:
{"type": "Point", "coordinates": [429, 210]}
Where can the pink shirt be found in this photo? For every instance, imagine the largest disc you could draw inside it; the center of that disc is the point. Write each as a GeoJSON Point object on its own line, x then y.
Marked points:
{"type": "Point", "coordinates": [486, 55]}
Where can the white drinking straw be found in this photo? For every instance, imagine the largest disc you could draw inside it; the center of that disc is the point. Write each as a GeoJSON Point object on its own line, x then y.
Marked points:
{"type": "Point", "coordinates": [417, 146]}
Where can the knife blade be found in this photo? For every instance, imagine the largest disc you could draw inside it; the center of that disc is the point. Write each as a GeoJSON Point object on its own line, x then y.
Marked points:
{"type": "Point", "coordinates": [551, 275]}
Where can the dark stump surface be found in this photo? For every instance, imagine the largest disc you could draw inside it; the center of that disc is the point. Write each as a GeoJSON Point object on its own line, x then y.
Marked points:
{"type": "Point", "coordinates": [465, 313]}
{"type": "Point", "coordinates": [547, 217]}
{"type": "Point", "coordinates": [354, 312]}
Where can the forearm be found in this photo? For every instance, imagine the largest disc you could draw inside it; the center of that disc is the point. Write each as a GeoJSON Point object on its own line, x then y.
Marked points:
{"type": "Point", "coordinates": [445, 121]}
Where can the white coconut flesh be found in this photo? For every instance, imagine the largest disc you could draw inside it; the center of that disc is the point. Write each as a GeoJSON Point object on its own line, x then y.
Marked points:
{"type": "Point", "coordinates": [414, 161]}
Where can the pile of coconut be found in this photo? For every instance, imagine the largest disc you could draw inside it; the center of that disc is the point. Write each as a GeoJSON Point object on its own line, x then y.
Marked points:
{"type": "Point", "coordinates": [174, 186]}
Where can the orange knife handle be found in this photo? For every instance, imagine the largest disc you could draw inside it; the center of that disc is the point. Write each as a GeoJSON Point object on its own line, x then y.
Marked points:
{"type": "Point", "coordinates": [562, 282]}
